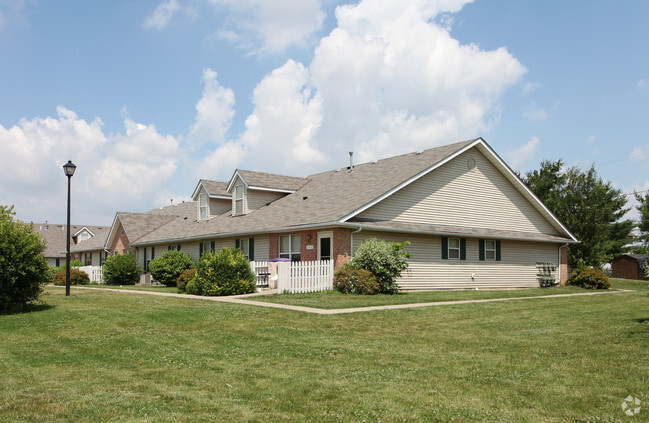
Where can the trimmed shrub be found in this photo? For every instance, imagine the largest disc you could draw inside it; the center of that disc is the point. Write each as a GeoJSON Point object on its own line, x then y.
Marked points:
{"type": "Point", "coordinates": [224, 273]}
{"type": "Point", "coordinates": [184, 279]}
{"type": "Point", "coordinates": [590, 279]}
{"type": "Point", "coordinates": [121, 269]}
{"type": "Point", "coordinates": [75, 263]}
{"type": "Point", "coordinates": [386, 260]}
{"type": "Point", "coordinates": [23, 269]}
{"type": "Point", "coordinates": [354, 280]}
{"type": "Point", "coordinates": [77, 277]}
{"type": "Point", "coordinates": [193, 288]}
{"type": "Point", "coordinates": [167, 268]}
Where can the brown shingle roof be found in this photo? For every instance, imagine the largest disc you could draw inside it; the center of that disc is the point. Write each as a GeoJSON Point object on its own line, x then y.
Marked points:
{"type": "Point", "coordinates": [216, 187]}
{"type": "Point", "coordinates": [55, 235]}
{"type": "Point", "coordinates": [325, 198]}
{"type": "Point", "coordinates": [272, 181]}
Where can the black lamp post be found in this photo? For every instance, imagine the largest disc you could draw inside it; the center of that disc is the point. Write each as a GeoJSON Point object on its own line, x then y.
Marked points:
{"type": "Point", "coordinates": [69, 169]}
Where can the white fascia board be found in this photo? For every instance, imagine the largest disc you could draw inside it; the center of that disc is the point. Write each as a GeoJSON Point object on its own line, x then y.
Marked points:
{"type": "Point", "coordinates": [525, 188]}
{"type": "Point", "coordinates": [234, 178]}
{"type": "Point", "coordinates": [221, 197]}
{"type": "Point", "coordinates": [451, 233]}
{"type": "Point", "coordinates": [197, 189]}
{"type": "Point", "coordinates": [110, 233]}
{"type": "Point", "coordinates": [82, 229]}
{"type": "Point", "coordinates": [283, 191]}
{"type": "Point", "coordinates": [409, 181]}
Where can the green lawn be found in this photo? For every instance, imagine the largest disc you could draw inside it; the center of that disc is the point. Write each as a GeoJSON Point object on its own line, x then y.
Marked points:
{"type": "Point", "coordinates": [336, 300]}
{"type": "Point", "coordinates": [103, 356]}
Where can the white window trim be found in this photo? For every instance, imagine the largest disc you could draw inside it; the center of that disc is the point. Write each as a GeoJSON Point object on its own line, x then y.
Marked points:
{"type": "Point", "coordinates": [241, 188]}
{"type": "Point", "coordinates": [493, 250]}
{"type": "Point", "coordinates": [202, 206]}
{"type": "Point", "coordinates": [291, 247]}
{"type": "Point", "coordinates": [458, 249]}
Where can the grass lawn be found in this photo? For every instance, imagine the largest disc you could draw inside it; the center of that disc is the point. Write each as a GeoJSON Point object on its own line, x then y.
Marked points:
{"type": "Point", "coordinates": [102, 356]}
{"type": "Point", "coordinates": [154, 288]}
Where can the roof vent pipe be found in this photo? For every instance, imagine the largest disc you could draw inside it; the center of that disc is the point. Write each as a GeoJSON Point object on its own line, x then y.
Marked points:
{"type": "Point", "coordinates": [351, 161]}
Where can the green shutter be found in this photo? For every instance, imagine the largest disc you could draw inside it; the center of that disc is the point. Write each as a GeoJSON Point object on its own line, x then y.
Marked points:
{"type": "Point", "coordinates": [444, 248]}
{"type": "Point", "coordinates": [200, 249]}
{"type": "Point", "coordinates": [497, 250]}
{"type": "Point", "coordinates": [212, 247]}
{"type": "Point", "coordinates": [251, 249]}
{"type": "Point", "coordinates": [152, 253]}
{"type": "Point", "coordinates": [481, 242]}
{"type": "Point", "coordinates": [237, 243]}
{"type": "Point", "coordinates": [462, 248]}
{"type": "Point", "coordinates": [178, 247]}
{"type": "Point", "coordinates": [144, 261]}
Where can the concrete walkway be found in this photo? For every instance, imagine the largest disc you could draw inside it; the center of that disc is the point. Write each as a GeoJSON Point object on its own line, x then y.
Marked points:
{"type": "Point", "coordinates": [242, 299]}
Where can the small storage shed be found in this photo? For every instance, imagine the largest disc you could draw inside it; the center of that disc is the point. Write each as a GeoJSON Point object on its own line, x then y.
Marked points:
{"type": "Point", "coordinates": [629, 266]}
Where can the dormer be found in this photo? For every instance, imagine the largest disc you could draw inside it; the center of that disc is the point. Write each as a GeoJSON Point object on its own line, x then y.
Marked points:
{"type": "Point", "coordinates": [82, 235]}
{"type": "Point", "coordinates": [253, 190]}
{"type": "Point", "coordinates": [212, 199]}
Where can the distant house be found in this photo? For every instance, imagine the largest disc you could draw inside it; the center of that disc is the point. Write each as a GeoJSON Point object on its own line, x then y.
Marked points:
{"type": "Point", "coordinates": [55, 238]}
{"type": "Point", "coordinates": [629, 266]}
{"type": "Point", "coordinates": [469, 219]}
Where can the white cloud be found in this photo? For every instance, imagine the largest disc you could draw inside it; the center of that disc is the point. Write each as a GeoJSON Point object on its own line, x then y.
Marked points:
{"type": "Point", "coordinates": [535, 113]}
{"type": "Point", "coordinates": [530, 87]}
{"type": "Point", "coordinates": [643, 83]}
{"type": "Point", "coordinates": [640, 152]}
{"type": "Point", "coordinates": [517, 158]}
{"type": "Point", "coordinates": [271, 26]}
{"type": "Point", "coordinates": [214, 112]}
{"type": "Point", "coordinates": [386, 80]}
{"type": "Point", "coordinates": [114, 172]}
{"type": "Point", "coordinates": [162, 15]}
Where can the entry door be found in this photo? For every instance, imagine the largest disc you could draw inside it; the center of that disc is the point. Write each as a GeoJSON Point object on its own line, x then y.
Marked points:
{"type": "Point", "coordinates": [325, 245]}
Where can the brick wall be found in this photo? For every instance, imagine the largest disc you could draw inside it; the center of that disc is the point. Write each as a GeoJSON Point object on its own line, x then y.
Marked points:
{"type": "Point", "coordinates": [564, 265]}
{"type": "Point", "coordinates": [341, 247]}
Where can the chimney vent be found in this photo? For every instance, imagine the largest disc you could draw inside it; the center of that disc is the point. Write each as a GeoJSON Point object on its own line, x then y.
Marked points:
{"type": "Point", "coordinates": [351, 161]}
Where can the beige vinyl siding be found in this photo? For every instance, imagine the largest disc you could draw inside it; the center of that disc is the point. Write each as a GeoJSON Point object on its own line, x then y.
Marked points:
{"type": "Point", "coordinates": [427, 269]}
{"type": "Point", "coordinates": [219, 206]}
{"type": "Point", "coordinates": [454, 195]}
{"type": "Point", "coordinates": [262, 244]}
{"type": "Point", "coordinates": [191, 249]}
{"type": "Point", "coordinates": [258, 199]}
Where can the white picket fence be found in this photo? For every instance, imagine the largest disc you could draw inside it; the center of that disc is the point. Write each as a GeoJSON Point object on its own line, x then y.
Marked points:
{"type": "Point", "coordinates": [305, 276]}
{"type": "Point", "coordinates": [94, 272]}
{"type": "Point", "coordinates": [262, 271]}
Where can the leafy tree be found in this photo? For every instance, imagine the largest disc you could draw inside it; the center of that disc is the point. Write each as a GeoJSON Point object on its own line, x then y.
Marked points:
{"type": "Point", "coordinates": [591, 208]}
{"type": "Point", "coordinates": [23, 269]}
{"type": "Point", "coordinates": [121, 269]}
{"type": "Point", "coordinates": [643, 208]}
{"type": "Point", "coordinates": [386, 260]}
{"type": "Point", "coordinates": [167, 268]}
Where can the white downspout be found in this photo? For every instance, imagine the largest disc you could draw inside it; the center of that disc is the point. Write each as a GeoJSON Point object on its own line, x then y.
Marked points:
{"type": "Point", "coordinates": [352, 240]}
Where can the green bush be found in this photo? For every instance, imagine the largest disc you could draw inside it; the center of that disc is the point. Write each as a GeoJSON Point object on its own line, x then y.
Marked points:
{"type": "Point", "coordinates": [386, 260]}
{"type": "Point", "coordinates": [184, 279]}
{"type": "Point", "coordinates": [354, 280]}
{"type": "Point", "coordinates": [77, 277]}
{"type": "Point", "coordinates": [167, 268]}
{"type": "Point", "coordinates": [75, 263]}
{"type": "Point", "coordinates": [23, 269]}
{"type": "Point", "coordinates": [121, 269]}
{"type": "Point", "coordinates": [193, 287]}
{"type": "Point", "coordinates": [589, 279]}
{"type": "Point", "coordinates": [224, 273]}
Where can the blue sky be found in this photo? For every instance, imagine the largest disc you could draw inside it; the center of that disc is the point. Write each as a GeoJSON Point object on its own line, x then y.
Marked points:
{"type": "Point", "coordinates": [147, 97]}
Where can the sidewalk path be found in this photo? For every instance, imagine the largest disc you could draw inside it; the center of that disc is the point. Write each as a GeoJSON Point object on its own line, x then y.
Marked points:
{"type": "Point", "coordinates": [241, 299]}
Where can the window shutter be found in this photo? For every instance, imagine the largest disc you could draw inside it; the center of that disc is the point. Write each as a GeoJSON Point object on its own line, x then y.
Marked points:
{"type": "Point", "coordinates": [178, 247]}
{"type": "Point", "coordinates": [200, 249]}
{"type": "Point", "coordinates": [462, 248]}
{"type": "Point", "coordinates": [497, 250]}
{"type": "Point", "coordinates": [237, 244]}
{"type": "Point", "coordinates": [168, 247]}
{"type": "Point", "coordinates": [251, 249]}
{"type": "Point", "coordinates": [444, 248]}
{"type": "Point", "coordinates": [481, 242]}
{"type": "Point", "coordinates": [144, 261]}
{"type": "Point", "coordinates": [212, 247]}
{"type": "Point", "coordinates": [152, 253]}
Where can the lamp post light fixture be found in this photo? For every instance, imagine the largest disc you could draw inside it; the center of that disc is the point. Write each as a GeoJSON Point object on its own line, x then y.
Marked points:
{"type": "Point", "coordinates": [68, 169]}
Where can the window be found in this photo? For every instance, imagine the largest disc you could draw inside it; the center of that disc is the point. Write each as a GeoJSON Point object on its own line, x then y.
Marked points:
{"type": "Point", "coordinates": [84, 236]}
{"type": "Point", "coordinates": [88, 259]}
{"type": "Point", "coordinates": [238, 199]}
{"type": "Point", "coordinates": [173, 247]}
{"type": "Point", "coordinates": [247, 247]}
{"type": "Point", "coordinates": [289, 247]}
{"type": "Point", "coordinates": [205, 247]}
{"type": "Point", "coordinates": [489, 249]}
{"type": "Point", "coordinates": [453, 248]}
{"type": "Point", "coordinates": [202, 206]}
